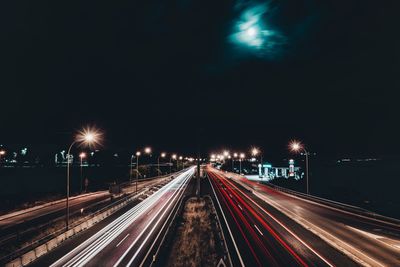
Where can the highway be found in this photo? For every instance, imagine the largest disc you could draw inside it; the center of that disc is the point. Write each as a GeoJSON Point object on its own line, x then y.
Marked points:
{"type": "Point", "coordinates": [52, 210]}
{"type": "Point", "coordinates": [25, 225]}
{"type": "Point", "coordinates": [284, 230]}
{"type": "Point", "coordinates": [127, 238]}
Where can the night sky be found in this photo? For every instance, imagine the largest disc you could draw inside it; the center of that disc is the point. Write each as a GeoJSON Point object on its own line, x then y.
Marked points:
{"type": "Point", "coordinates": [163, 72]}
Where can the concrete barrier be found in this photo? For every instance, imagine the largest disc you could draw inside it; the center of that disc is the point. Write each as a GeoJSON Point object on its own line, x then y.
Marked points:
{"type": "Point", "coordinates": [77, 229]}
{"type": "Point", "coordinates": [51, 244]}
{"type": "Point", "coordinates": [15, 263]}
{"type": "Point", "coordinates": [84, 225]}
{"type": "Point", "coordinates": [90, 222]}
{"type": "Point", "coordinates": [61, 238]}
{"type": "Point", "coordinates": [41, 250]}
{"type": "Point", "coordinates": [69, 233]}
{"type": "Point", "coordinates": [28, 257]}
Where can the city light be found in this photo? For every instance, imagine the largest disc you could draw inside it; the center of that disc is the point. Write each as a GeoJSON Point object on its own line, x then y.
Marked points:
{"type": "Point", "coordinates": [163, 155]}
{"type": "Point", "coordinates": [147, 150]}
{"type": "Point", "coordinates": [138, 153]}
{"type": "Point", "coordinates": [89, 136]}
{"type": "Point", "coordinates": [295, 146]}
{"type": "Point", "coordinates": [174, 156]}
{"type": "Point", "coordinates": [242, 155]}
{"type": "Point", "coordinates": [255, 151]}
{"type": "Point", "coordinates": [235, 155]}
{"type": "Point", "coordinates": [2, 152]}
{"type": "Point", "coordinates": [82, 155]}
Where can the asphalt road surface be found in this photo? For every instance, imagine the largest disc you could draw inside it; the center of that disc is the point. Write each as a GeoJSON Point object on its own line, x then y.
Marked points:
{"type": "Point", "coordinates": [310, 233]}
{"type": "Point", "coordinates": [126, 238]}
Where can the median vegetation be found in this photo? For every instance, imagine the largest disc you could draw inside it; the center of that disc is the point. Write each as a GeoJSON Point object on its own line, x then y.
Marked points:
{"type": "Point", "coordinates": [197, 240]}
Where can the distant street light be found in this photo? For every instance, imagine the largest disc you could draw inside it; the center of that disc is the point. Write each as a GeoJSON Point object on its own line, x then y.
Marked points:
{"type": "Point", "coordinates": [242, 156]}
{"type": "Point", "coordinates": [82, 156]}
{"type": "Point", "coordinates": [255, 151]}
{"type": "Point", "coordinates": [147, 150]}
{"type": "Point", "coordinates": [89, 137]}
{"type": "Point", "coordinates": [296, 146]}
{"type": "Point", "coordinates": [2, 153]}
{"type": "Point", "coordinates": [162, 155]}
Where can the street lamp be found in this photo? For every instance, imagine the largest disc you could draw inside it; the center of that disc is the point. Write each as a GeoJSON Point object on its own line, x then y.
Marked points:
{"type": "Point", "coordinates": [235, 155]}
{"type": "Point", "coordinates": [82, 155]}
{"type": "Point", "coordinates": [296, 146]}
{"type": "Point", "coordinates": [2, 153]}
{"type": "Point", "coordinates": [173, 157]}
{"type": "Point", "coordinates": [181, 159]}
{"type": "Point", "coordinates": [162, 155]}
{"type": "Point", "coordinates": [89, 137]}
{"type": "Point", "coordinates": [242, 156]}
{"type": "Point", "coordinates": [255, 151]}
{"type": "Point", "coordinates": [137, 168]}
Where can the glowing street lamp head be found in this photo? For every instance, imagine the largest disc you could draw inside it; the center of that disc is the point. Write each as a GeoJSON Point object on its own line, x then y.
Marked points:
{"type": "Point", "coordinates": [213, 156]}
{"type": "Point", "coordinates": [295, 146]}
{"type": "Point", "coordinates": [138, 153]}
{"type": "Point", "coordinates": [235, 155]}
{"type": "Point", "coordinates": [2, 152]}
{"type": "Point", "coordinates": [180, 158]}
{"type": "Point", "coordinates": [147, 150]}
{"type": "Point", "coordinates": [226, 153]}
{"type": "Point", "coordinates": [255, 151]}
{"type": "Point", "coordinates": [242, 155]}
{"type": "Point", "coordinates": [174, 156]}
{"type": "Point", "coordinates": [89, 136]}
{"type": "Point", "coordinates": [82, 155]}
{"type": "Point", "coordinates": [163, 154]}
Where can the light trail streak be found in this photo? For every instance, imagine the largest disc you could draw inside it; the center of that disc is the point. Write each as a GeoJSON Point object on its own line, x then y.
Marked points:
{"type": "Point", "coordinates": [91, 247]}
{"type": "Point", "coordinates": [265, 225]}
{"type": "Point", "coordinates": [283, 226]}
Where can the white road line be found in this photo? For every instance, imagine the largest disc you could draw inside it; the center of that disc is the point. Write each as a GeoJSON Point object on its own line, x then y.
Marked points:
{"type": "Point", "coordinates": [122, 241]}
{"type": "Point", "coordinates": [258, 230]}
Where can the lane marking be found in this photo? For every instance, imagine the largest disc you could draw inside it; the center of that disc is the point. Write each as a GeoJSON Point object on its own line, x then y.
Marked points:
{"type": "Point", "coordinates": [122, 240]}
{"type": "Point", "coordinates": [258, 230]}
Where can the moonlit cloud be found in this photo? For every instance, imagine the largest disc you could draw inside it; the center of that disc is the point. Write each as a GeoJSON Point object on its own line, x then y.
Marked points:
{"type": "Point", "coordinates": [252, 33]}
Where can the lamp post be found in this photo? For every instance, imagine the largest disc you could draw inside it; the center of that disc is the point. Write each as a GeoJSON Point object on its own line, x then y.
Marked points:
{"type": "Point", "coordinates": [88, 137]}
{"type": "Point", "coordinates": [181, 159]}
{"type": "Point", "coordinates": [137, 169]}
{"type": "Point", "coordinates": [173, 157]}
{"type": "Point", "coordinates": [158, 160]}
{"type": "Point", "coordinates": [2, 153]}
{"type": "Point", "coordinates": [296, 146]}
{"type": "Point", "coordinates": [235, 155]}
{"type": "Point", "coordinates": [130, 172]}
{"type": "Point", "coordinates": [240, 162]}
{"type": "Point", "coordinates": [82, 156]}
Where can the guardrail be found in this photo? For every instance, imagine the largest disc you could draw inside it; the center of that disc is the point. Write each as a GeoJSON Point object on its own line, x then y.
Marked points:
{"type": "Point", "coordinates": [336, 204]}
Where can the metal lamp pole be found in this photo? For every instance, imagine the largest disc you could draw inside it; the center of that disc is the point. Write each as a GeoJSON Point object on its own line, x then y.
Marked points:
{"type": "Point", "coordinates": [137, 170]}
{"type": "Point", "coordinates": [68, 172]}
{"type": "Point", "coordinates": [306, 153]}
